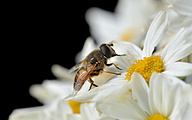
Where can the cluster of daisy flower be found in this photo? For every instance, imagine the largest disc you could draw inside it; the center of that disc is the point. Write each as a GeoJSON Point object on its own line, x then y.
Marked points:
{"type": "Point", "coordinates": [156, 76]}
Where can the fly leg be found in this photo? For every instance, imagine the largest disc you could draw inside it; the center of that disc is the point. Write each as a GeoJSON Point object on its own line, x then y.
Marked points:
{"type": "Point", "coordinates": [92, 83]}
{"type": "Point", "coordinates": [112, 64]}
{"type": "Point", "coordinates": [116, 73]}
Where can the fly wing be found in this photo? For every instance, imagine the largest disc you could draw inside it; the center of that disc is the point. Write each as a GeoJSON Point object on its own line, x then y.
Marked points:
{"type": "Point", "coordinates": [80, 78]}
{"type": "Point", "coordinates": [76, 67]}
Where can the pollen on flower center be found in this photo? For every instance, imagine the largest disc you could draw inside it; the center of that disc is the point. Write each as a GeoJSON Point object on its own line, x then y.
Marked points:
{"type": "Point", "coordinates": [75, 106]}
{"type": "Point", "coordinates": [146, 67]}
{"type": "Point", "coordinates": [156, 117]}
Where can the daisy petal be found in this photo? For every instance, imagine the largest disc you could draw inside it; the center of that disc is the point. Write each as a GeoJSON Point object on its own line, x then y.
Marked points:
{"type": "Point", "coordinates": [179, 54]}
{"type": "Point", "coordinates": [61, 108]}
{"type": "Point", "coordinates": [131, 52]}
{"type": "Point", "coordinates": [178, 69]}
{"type": "Point", "coordinates": [62, 72]}
{"type": "Point", "coordinates": [180, 95]}
{"type": "Point", "coordinates": [155, 33]}
{"type": "Point", "coordinates": [187, 115]}
{"type": "Point", "coordinates": [88, 46]}
{"type": "Point", "coordinates": [121, 111]}
{"type": "Point", "coordinates": [140, 91]}
{"type": "Point", "coordinates": [155, 93]}
{"type": "Point", "coordinates": [50, 90]}
{"type": "Point", "coordinates": [88, 111]}
{"type": "Point", "coordinates": [167, 93]}
{"type": "Point", "coordinates": [105, 117]}
{"type": "Point", "coordinates": [36, 113]}
{"type": "Point", "coordinates": [183, 7]}
{"type": "Point", "coordinates": [176, 49]}
{"type": "Point", "coordinates": [101, 24]}
{"type": "Point", "coordinates": [168, 96]}
{"type": "Point", "coordinates": [73, 117]}
{"type": "Point", "coordinates": [135, 11]}
{"type": "Point", "coordinates": [179, 105]}
{"type": "Point", "coordinates": [115, 93]}
{"type": "Point", "coordinates": [160, 93]}
{"type": "Point", "coordinates": [86, 96]}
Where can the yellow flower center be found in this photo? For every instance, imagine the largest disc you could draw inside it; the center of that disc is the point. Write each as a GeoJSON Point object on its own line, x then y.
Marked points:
{"type": "Point", "coordinates": [146, 67]}
{"type": "Point", "coordinates": [128, 35]}
{"type": "Point", "coordinates": [75, 106]}
{"type": "Point", "coordinates": [156, 117]}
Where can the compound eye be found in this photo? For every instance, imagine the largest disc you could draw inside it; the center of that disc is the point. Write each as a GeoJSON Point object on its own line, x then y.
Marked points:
{"type": "Point", "coordinates": [106, 51]}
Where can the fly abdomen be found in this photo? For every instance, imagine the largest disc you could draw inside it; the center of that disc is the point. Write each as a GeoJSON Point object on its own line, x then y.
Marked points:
{"type": "Point", "coordinates": [80, 78]}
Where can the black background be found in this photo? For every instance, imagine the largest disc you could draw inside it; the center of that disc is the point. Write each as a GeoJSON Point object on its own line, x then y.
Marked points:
{"type": "Point", "coordinates": [38, 35]}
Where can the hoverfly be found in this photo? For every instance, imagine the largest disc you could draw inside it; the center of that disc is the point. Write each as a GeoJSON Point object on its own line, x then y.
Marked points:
{"type": "Point", "coordinates": [93, 65]}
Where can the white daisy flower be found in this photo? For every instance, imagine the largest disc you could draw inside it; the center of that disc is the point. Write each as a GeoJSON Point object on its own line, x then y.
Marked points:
{"type": "Point", "coordinates": [129, 22]}
{"type": "Point", "coordinates": [59, 110]}
{"type": "Point", "coordinates": [143, 61]}
{"type": "Point", "coordinates": [51, 90]}
{"type": "Point", "coordinates": [51, 93]}
{"type": "Point", "coordinates": [166, 98]}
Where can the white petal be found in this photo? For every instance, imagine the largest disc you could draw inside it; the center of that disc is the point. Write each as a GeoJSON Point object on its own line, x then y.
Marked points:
{"type": "Point", "coordinates": [89, 112]}
{"type": "Point", "coordinates": [36, 113]}
{"type": "Point", "coordinates": [180, 98]}
{"type": "Point", "coordinates": [123, 112]}
{"type": "Point", "coordinates": [140, 91]}
{"type": "Point", "coordinates": [105, 117]}
{"type": "Point", "coordinates": [178, 69]}
{"type": "Point", "coordinates": [102, 78]}
{"type": "Point", "coordinates": [50, 90]}
{"type": "Point", "coordinates": [63, 108]}
{"type": "Point", "coordinates": [177, 48]}
{"type": "Point", "coordinates": [88, 95]}
{"type": "Point", "coordinates": [135, 11]}
{"type": "Point", "coordinates": [131, 51]}
{"type": "Point", "coordinates": [174, 43]}
{"type": "Point", "coordinates": [127, 48]}
{"type": "Point", "coordinates": [187, 115]}
{"type": "Point", "coordinates": [183, 7]}
{"type": "Point", "coordinates": [179, 107]}
{"type": "Point", "coordinates": [113, 93]}
{"type": "Point", "coordinates": [155, 93]}
{"type": "Point", "coordinates": [62, 73]}
{"type": "Point", "coordinates": [88, 47]}
{"type": "Point", "coordinates": [167, 95]}
{"type": "Point", "coordinates": [73, 117]}
{"type": "Point", "coordinates": [155, 32]}
{"type": "Point", "coordinates": [84, 97]}
{"type": "Point", "coordinates": [179, 54]}
{"type": "Point", "coordinates": [102, 24]}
